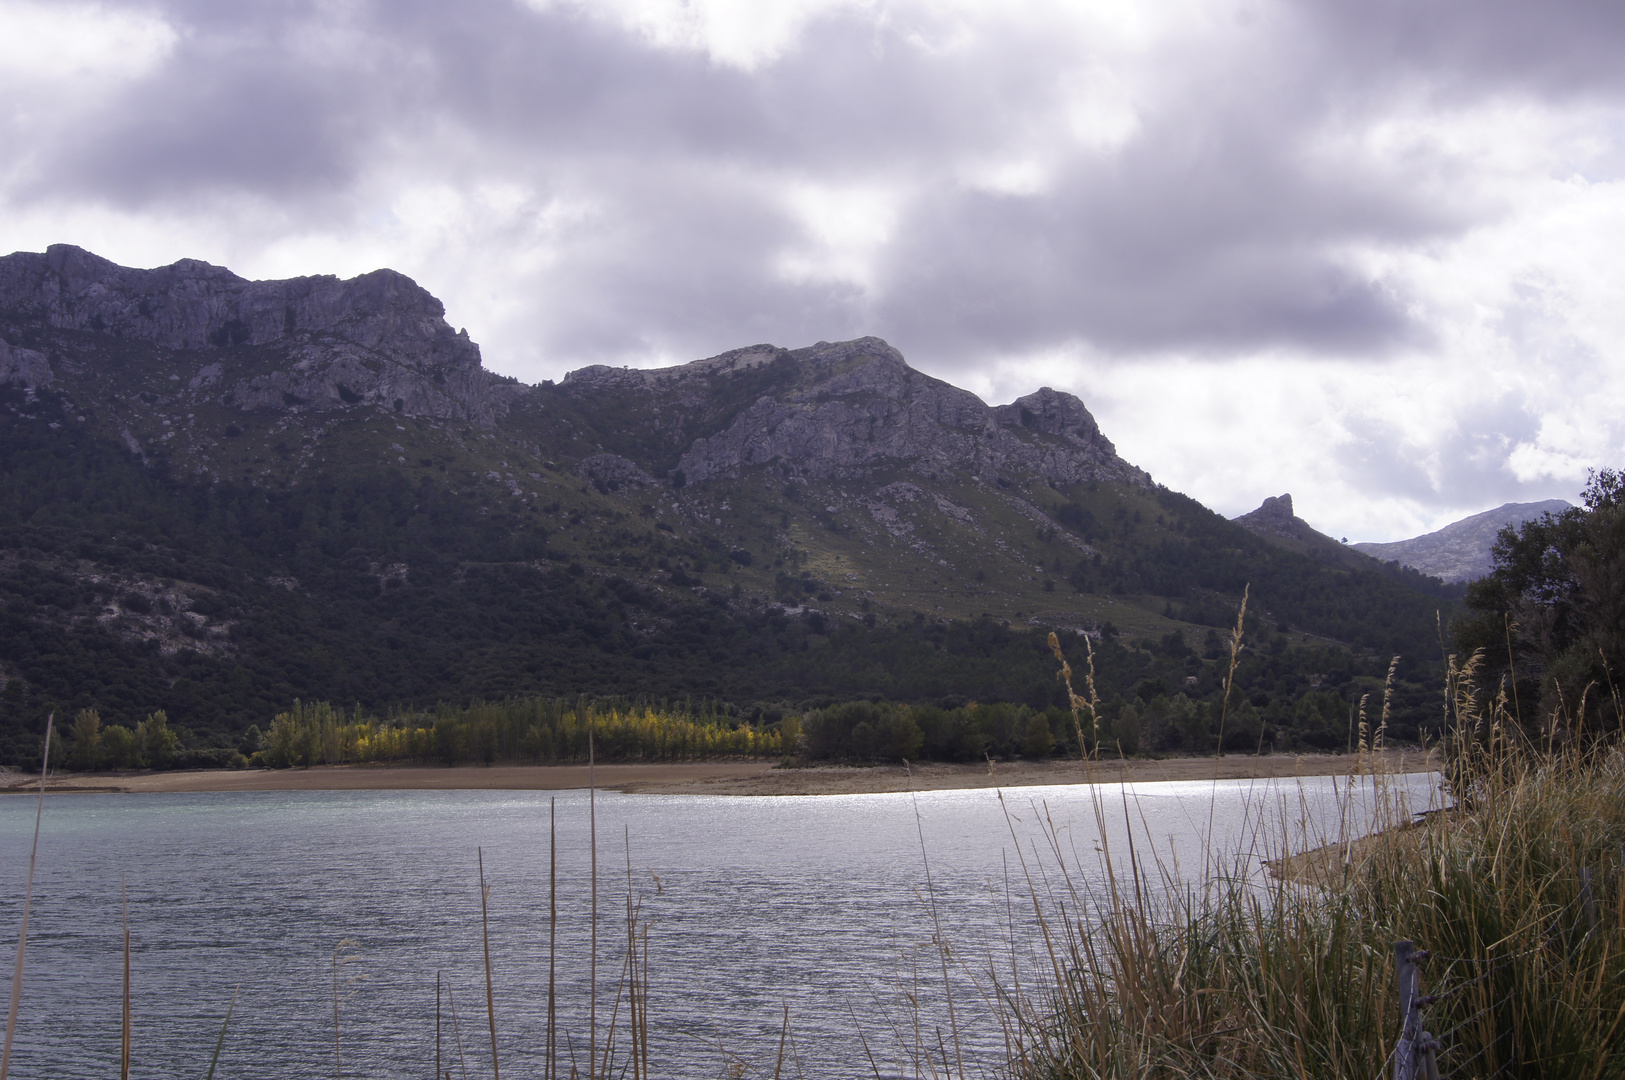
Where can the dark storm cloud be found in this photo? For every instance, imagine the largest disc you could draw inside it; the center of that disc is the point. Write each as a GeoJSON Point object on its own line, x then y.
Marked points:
{"type": "Point", "coordinates": [1471, 47]}
{"type": "Point", "coordinates": [1215, 227]}
{"type": "Point", "coordinates": [1133, 255]}
{"type": "Point", "coordinates": [235, 107]}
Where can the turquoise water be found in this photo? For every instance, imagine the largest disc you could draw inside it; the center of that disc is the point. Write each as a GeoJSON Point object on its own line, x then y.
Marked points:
{"type": "Point", "coordinates": [815, 903]}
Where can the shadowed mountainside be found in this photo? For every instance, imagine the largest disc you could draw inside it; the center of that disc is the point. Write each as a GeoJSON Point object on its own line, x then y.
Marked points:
{"type": "Point", "coordinates": [218, 495]}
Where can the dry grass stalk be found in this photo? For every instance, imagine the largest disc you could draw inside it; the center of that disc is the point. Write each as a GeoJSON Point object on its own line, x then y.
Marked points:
{"type": "Point", "coordinates": [938, 940]}
{"type": "Point", "coordinates": [1235, 657]}
{"type": "Point", "coordinates": [214, 1059]}
{"type": "Point", "coordinates": [1078, 704]}
{"type": "Point", "coordinates": [485, 942]}
{"type": "Point", "coordinates": [124, 1047]}
{"type": "Point", "coordinates": [784, 1036]}
{"type": "Point", "coordinates": [28, 900]}
{"type": "Point", "coordinates": [550, 1071]}
{"type": "Point", "coordinates": [456, 1031]}
{"type": "Point", "coordinates": [592, 962]}
{"type": "Point", "coordinates": [340, 957]}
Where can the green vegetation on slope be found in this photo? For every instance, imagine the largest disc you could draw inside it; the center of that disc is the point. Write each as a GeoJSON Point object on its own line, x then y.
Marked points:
{"type": "Point", "coordinates": [351, 575]}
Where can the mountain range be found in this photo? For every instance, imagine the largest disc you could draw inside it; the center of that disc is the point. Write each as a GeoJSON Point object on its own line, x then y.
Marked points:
{"type": "Point", "coordinates": [1460, 551]}
{"type": "Point", "coordinates": [222, 494]}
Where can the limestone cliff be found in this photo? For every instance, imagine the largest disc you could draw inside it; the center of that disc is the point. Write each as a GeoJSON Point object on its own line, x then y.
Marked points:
{"type": "Point", "coordinates": [854, 409]}
{"type": "Point", "coordinates": [189, 340]}
{"type": "Point", "coordinates": [317, 342]}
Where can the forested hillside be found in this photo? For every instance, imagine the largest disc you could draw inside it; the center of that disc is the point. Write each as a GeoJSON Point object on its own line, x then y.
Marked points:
{"type": "Point", "coordinates": [212, 523]}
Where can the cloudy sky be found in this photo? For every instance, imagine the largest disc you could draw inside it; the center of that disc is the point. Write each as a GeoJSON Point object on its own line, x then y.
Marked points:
{"type": "Point", "coordinates": [1371, 253]}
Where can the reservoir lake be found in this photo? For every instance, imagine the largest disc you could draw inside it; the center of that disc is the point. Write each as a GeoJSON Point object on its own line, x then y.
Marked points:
{"type": "Point", "coordinates": [817, 905]}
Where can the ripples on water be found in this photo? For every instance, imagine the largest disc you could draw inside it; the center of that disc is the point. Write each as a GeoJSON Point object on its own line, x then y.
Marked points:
{"type": "Point", "coordinates": [754, 904]}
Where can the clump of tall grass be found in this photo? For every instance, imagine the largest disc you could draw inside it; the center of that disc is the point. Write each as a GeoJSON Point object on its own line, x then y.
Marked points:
{"type": "Point", "coordinates": [1517, 892]}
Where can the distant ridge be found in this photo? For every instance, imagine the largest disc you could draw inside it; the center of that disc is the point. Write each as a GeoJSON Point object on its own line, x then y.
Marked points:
{"type": "Point", "coordinates": [1461, 551]}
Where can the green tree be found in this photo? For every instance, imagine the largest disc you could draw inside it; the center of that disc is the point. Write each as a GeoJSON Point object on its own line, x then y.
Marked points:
{"type": "Point", "coordinates": [59, 748]}
{"type": "Point", "coordinates": [87, 739]}
{"type": "Point", "coordinates": [280, 741]}
{"type": "Point", "coordinates": [1040, 741]}
{"type": "Point", "coordinates": [1126, 728]}
{"type": "Point", "coordinates": [1196, 727]}
{"type": "Point", "coordinates": [1242, 726]}
{"type": "Point", "coordinates": [862, 729]}
{"type": "Point", "coordinates": [118, 747]}
{"type": "Point", "coordinates": [157, 739]}
{"type": "Point", "coordinates": [1550, 616]}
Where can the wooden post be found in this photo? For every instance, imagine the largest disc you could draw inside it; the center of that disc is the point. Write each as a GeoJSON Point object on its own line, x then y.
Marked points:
{"type": "Point", "coordinates": [1405, 1053]}
{"type": "Point", "coordinates": [1430, 1058]}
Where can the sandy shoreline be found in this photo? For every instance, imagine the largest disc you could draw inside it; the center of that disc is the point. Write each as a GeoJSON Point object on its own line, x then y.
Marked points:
{"type": "Point", "coordinates": [724, 777]}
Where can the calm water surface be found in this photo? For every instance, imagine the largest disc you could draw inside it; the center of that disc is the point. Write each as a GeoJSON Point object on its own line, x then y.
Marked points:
{"type": "Point", "coordinates": [815, 903]}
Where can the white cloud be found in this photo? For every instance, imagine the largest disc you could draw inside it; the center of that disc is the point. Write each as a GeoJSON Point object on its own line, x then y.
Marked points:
{"type": "Point", "coordinates": [77, 48]}
{"type": "Point", "coordinates": [1273, 247]}
{"type": "Point", "coordinates": [843, 230]}
{"type": "Point", "coordinates": [745, 34]}
{"type": "Point", "coordinates": [60, 63]}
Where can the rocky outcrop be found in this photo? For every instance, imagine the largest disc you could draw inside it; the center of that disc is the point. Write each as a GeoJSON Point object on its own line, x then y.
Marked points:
{"type": "Point", "coordinates": [317, 341]}
{"type": "Point", "coordinates": [24, 366]}
{"type": "Point", "coordinates": [859, 408]}
{"type": "Point", "coordinates": [611, 472]}
{"type": "Point", "coordinates": [1461, 551]}
{"type": "Point", "coordinates": [1054, 412]}
{"type": "Point", "coordinates": [1275, 522]}
{"type": "Point", "coordinates": [1275, 518]}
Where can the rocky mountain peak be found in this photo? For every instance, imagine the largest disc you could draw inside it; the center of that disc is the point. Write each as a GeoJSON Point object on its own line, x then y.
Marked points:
{"type": "Point", "coordinates": [192, 304]}
{"type": "Point", "coordinates": [1461, 551]}
{"type": "Point", "coordinates": [834, 410]}
{"type": "Point", "coordinates": [1052, 411]}
{"type": "Point", "coordinates": [1275, 516]}
{"type": "Point", "coordinates": [379, 338]}
{"type": "Point", "coordinates": [736, 361]}
{"type": "Point", "coordinates": [857, 407]}
{"type": "Point", "coordinates": [867, 350]}
{"type": "Point", "coordinates": [1275, 522]}
{"type": "Point", "coordinates": [192, 334]}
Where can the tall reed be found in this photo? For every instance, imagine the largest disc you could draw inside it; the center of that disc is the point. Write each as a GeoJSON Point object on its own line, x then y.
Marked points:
{"type": "Point", "coordinates": [124, 1042]}
{"type": "Point", "coordinates": [1518, 892]}
{"type": "Point", "coordinates": [606, 1057]}
{"type": "Point", "coordinates": [485, 946]}
{"type": "Point", "coordinates": [28, 900]}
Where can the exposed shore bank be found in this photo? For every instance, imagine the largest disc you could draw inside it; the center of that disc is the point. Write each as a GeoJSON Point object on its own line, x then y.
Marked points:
{"type": "Point", "coordinates": [729, 777]}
